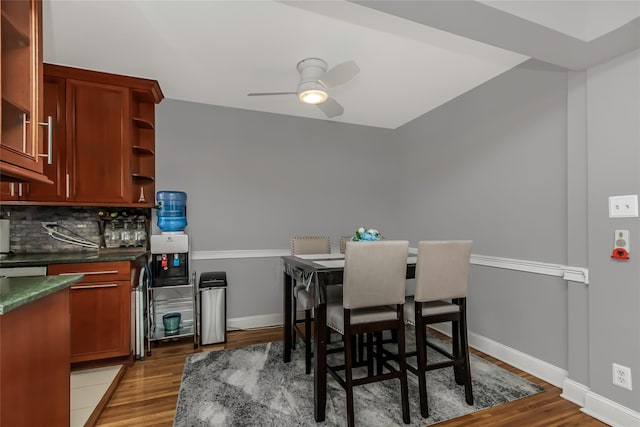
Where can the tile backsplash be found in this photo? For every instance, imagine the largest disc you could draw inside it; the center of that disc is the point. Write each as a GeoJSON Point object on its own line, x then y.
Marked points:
{"type": "Point", "coordinates": [29, 236]}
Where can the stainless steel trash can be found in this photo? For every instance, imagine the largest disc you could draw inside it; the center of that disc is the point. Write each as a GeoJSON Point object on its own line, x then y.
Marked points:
{"type": "Point", "coordinates": [213, 307]}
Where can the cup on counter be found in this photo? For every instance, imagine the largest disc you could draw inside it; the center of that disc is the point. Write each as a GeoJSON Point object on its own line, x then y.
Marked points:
{"type": "Point", "coordinates": [112, 236]}
{"type": "Point", "coordinates": [126, 235]}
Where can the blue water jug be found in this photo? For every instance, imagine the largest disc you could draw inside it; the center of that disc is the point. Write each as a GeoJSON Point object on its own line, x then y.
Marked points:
{"type": "Point", "coordinates": [172, 210]}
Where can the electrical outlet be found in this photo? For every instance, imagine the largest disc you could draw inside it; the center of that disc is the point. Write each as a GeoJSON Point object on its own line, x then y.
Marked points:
{"type": "Point", "coordinates": [622, 376]}
{"type": "Point", "coordinates": [623, 206]}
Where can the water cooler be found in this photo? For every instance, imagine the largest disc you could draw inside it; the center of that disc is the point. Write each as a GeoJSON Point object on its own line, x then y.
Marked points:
{"type": "Point", "coordinates": [171, 294]}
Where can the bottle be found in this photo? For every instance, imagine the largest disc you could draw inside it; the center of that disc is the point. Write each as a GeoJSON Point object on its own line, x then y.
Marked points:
{"type": "Point", "coordinates": [172, 210]}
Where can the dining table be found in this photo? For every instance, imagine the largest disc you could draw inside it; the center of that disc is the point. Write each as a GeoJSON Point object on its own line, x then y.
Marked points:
{"type": "Point", "coordinates": [317, 272]}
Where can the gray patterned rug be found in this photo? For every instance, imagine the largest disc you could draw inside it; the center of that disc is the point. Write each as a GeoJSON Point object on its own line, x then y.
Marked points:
{"type": "Point", "coordinates": [252, 386]}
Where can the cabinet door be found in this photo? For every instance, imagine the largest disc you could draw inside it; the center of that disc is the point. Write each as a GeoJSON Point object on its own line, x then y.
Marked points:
{"type": "Point", "coordinates": [54, 107]}
{"type": "Point", "coordinates": [21, 72]}
{"type": "Point", "coordinates": [98, 152]}
{"type": "Point", "coordinates": [100, 320]}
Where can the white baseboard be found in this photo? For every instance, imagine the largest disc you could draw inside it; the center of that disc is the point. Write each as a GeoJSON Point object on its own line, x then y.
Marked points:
{"type": "Point", "coordinates": [539, 368]}
{"type": "Point", "coordinates": [574, 392]}
{"type": "Point", "coordinates": [592, 404]}
{"type": "Point", "coordinates": [609, 412]}
{"type": "Point", "coordinates": [252, 322]}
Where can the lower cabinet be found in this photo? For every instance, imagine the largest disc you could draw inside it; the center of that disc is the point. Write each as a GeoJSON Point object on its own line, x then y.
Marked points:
{"type": "Point", "coordinates": [34, 363]}
{"type": "Point", "coordinates": [100, 309]}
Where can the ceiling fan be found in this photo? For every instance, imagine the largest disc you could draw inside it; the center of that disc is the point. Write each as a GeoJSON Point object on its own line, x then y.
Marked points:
{"type": "Point", "coordinates": [315, 82]}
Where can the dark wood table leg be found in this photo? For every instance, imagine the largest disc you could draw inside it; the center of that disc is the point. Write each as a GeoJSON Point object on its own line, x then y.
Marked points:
{"type": "Point", "coordinates": [320, 362]}
{"type": "Point", "coordinates": [288, 294]}
{"type": "Point", "coordinates": [320, 350]}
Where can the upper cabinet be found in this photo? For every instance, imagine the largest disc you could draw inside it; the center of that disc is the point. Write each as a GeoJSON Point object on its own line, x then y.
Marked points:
{"type": "Point", "coordinates": [24, 129]}
{"type": "Point", "coordinates": [106, 127]}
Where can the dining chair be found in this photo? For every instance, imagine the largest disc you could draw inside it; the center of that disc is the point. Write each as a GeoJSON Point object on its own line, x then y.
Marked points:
{"type": "Point", "coordinates": [304, 297]}
{"type": "Point", "coordinates": [442, 281]}
{"type": "Point", "coordinates": [343, 243]}
{"type": "Point", "coordinates": [373, 300]}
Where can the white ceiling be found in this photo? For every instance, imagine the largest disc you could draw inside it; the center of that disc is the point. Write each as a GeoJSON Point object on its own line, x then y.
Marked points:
{"type": "Point", "coordinates": [215, 52]}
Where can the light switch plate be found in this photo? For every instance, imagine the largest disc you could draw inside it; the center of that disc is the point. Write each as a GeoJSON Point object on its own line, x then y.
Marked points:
{"type": "Point", "coordinates": [623, 206]}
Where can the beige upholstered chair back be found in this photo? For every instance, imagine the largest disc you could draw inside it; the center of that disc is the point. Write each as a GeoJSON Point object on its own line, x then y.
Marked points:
{"type": "Point", "coordinates": [343, 243]}
{"type": "Point", "coordinates": [375, 273]}
{"type": "Point", "coordinates": [310, 245]}
{"type": "Point", "coordinates": [442, 270]}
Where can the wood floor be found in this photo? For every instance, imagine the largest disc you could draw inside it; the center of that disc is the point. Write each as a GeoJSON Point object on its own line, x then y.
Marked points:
{"type": "Point", "coordinates": [148, 393]}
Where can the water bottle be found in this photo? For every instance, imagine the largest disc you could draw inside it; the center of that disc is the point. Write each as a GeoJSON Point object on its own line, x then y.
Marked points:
{"type": "Point", "coordinates": [172, 210]}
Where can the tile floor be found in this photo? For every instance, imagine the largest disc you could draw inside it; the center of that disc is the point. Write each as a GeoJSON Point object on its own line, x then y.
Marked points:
{"type": "Point", "coordinates": [87, 388]}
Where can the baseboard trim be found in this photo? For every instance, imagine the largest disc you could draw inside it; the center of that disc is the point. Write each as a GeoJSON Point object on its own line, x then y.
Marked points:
{"type": "Point", "coordinates": [539, 368]}
{"type": "Point", "coordinates": [574, 392]}
{"type": "Point", "coordinates": [609, 412]}
{"type": "Point", "coordinates": [253, 322]}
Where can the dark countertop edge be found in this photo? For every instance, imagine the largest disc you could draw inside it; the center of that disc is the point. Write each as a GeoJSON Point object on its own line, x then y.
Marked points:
{"type": "Point", "coordinates": [44, 259]}
{"type": "Point", "coordinates": [58, 283]}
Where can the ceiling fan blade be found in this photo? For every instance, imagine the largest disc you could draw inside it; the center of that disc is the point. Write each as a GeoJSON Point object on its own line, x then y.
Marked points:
{"type": "Point", "coordinates": [271, 93]}
{"type": "Point", "coordinates": [331, 108]}
{"type": "Point", "coordinates": [340, 74]}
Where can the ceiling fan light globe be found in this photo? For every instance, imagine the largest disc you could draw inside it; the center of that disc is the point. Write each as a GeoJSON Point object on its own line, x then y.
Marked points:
{"type": "Point", "coordinates": [313, 96]}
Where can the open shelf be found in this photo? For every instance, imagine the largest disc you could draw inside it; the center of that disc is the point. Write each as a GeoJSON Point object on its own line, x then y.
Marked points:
{"type": "Point", "coordinates": [143, 123]}
{"type": "Point", "coordinates": [12, 34]}
{"type": "Point", "coordinates": [143, 150]}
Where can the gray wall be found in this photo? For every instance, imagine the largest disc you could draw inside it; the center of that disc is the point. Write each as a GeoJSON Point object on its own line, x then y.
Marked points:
{"type": "Point", "coordinates": [491, 166]}
{"type": "Point", "coordinates": [255, 179]}
{"type": "Point", "coordinates": [613, 133]}
{"type": "Point", "coordinates": [522, 165]}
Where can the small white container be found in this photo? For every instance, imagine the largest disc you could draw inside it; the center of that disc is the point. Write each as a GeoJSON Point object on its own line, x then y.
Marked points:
{"type": "Point", "coordinates": [5, 237]}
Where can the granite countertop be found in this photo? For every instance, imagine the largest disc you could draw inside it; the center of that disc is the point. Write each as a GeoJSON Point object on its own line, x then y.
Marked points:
{"type": "Point", "coordinates": [44, 259]}
{"type": "Point", "coordinates": [18, 291]}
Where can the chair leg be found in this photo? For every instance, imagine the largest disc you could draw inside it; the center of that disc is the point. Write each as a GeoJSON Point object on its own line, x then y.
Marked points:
{"type": "Point", "coordinates": [457, 351]}
{"type": "Point", "coordinates": [421, 349]}
{"type": "Point", "coordinates": [369, 354]}
{"type": "Point", "coordinates": [294, 319]}
{"type": "Point", "coordinates": [348, 360]}
{"type": "Point", "coordinates": [307, 341]}
{"type": "Point", "coordinates": [379, 355]}
{"type": "Point", "coordinates": [404, 387]}
{"type": "Point", "coordinates": [464, 343]}
{"type": "Point", "coordinates": [361, 344]}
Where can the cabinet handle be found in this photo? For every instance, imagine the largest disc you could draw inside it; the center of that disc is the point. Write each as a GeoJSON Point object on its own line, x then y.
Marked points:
{"type": "Point", "coordinates": [20, 189]}
{"type": "Point", "coordinates": [49, 124]}
{"type": "Point", "coordinates": [67, 185]}
{"type": "Point", "coordinates": [111, 285]}
{"type": "Point", "coordinates": [24, 132]}
{"type": "Point", "coordinates": [89, 273]}
{"type": "Point", "coordinates": [12, 189]}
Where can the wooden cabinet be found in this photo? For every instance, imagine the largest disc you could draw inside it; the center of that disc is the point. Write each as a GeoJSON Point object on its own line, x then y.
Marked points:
{"type": "Point", "coordinates": [100, 309]}
{"type": "Point", "coordinates": [54, 100]}
{"type": "Point", "coordinates": [21, 118]}
{"type": "Point", "coordinates": [13, 190]}
{"type": "Point", "coordinates": [34, 363]}
{"type": "Point", "coordinates": [104, 139]}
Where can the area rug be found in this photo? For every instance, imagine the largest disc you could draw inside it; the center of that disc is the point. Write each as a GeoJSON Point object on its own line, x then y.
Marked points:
{"type": "Point", "coordinates": [252, 386]}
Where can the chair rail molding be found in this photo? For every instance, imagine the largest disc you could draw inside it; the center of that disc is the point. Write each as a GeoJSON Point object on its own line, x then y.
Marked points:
{"type": "Point", "coordinates": [569, 273]}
